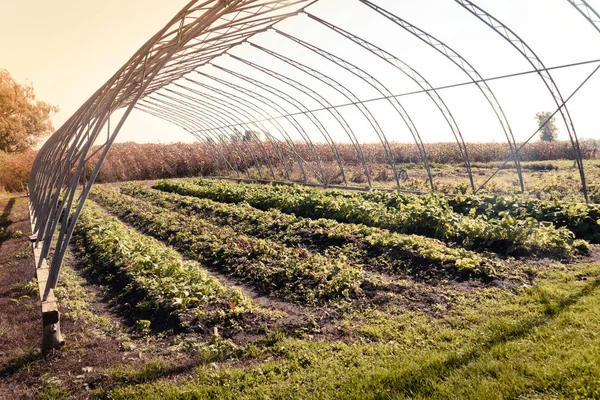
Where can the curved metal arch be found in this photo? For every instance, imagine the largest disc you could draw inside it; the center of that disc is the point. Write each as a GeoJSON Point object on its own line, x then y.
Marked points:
{"type": "Point", "coordinates": [273, 105]}
{"type": "Point", "coordinates": [416, 77]}
{"type": "Point", "coordinates": [235, 109]}
{"type": "Point", "coordinates": [128, 96]}
{"type": "Point", "coordinates": [173, 111]}
{"type": "Point", "coordinates": [526, 51]}
{"type": "Point", "coordinates": [49, 225]}
{"type": "Point", "coordinates": [201, 21]}
{"type": "Point", "coordinates": [295, 103]}
{"type": "Point", "coordinates": [277, 107]}
{"type": "Point", "coordinates": [384, 91]}
{"type": "Point", "coordinates": [468, 69]}
{"type": "Point", "coordinates": [265, 115]}
{"type": "Point", "coordinates": [226, 24]}
{"type": "Point", "coordinates": [222, 117]}
{"type": "Point", "coordinates": [214, 126]}
{"type": "Point", "coordinates": [330, 82]}
{"type": "Point", "coordinates": [200, 32]}
{"type": "Point", "coordinates": [342, 90]}
{"type": "Point", "coordinates": [588, 12]}
{"type": "Point", "coordinates": [231, 113]}
{"type": "Point", "coordinates": [212, 120]}
{"type": "Point", "coordinates": [183, 125]}
{"type": "Point", "coordinates": [102, 105]}
{"type": "Point", "coordinates": [250, 18]}
{"type": "Point", "coordinates": [43, 191]}
{"type": "Point", "coordinates": [50, 198]}
{"type": "Point", "coordinates": [200, 136]}
{"type": "Point", "coordinates": [317, 98]}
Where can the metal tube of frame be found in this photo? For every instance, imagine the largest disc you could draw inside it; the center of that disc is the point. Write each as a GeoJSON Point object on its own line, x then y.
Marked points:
{"type": "Point", "coordinates": [239, 115]}
{"type": "Point", "coordinates": [190, 114]}
{"type": "Point", "coordinates": [236, 109]}
{"type": "Point", "coordinates": [519, 44]}
{"type": "Point", "coordinates": [547, 120]}
{"type": "Point", "coordinates": [221, 120]}
{"type": "Point", "coordinates": [416, 78]}
{"type": "Point", "coordinates": [64, 236]}
{"type": "Point", "coordinates": [468, 69]}
{"type": "Point", "coordinates": [174, 112]}
{"type": "Point", "coordinates": [384, 91]}
{"type": "Point", "coordinates": [266, 101]}
{"type": "Point", "coordinates": [316, 97]}
{"type": "Point", "coordinates": [278, 108]}
{"type": "Point", "coordinates": [265, 115]}
{"type": "Point", "coordinates": [232, 113]}
{"type": "Point", "coordinates": [295, 103]}
{"type": "Point", "coordinates": [201, 137]}
{"type": "Point", "coordinates": [340, 89]}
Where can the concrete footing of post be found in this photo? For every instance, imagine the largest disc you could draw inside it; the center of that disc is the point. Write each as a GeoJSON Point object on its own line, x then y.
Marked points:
{"type": "Point", "coordinates": [51, 336]}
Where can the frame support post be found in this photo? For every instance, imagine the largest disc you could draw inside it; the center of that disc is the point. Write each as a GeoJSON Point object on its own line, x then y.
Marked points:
{"type": "Point", "coordinates": [51, 336]}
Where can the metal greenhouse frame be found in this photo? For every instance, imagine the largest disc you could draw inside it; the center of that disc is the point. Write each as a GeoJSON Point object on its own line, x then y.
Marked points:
{"type": "Point", "coordinates": [174, 76]}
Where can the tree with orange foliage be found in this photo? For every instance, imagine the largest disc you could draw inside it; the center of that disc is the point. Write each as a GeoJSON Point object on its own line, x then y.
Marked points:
{"type": "Point", "coordinates": [23, 119]}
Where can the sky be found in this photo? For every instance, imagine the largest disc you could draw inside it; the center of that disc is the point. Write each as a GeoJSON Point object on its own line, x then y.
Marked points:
{"type": "Point", "coordinates": [67, 49]}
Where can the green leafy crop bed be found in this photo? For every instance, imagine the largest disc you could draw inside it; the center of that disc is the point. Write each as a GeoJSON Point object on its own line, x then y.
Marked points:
{"type": "Point", "coordinates": [374, 247]}
{"type": "Point", "coordinates": [144, 272]}
{"type": "Point", "coordinates": [290, 273]}
{"type": "Point", "coordinates": [428, 215]}
{"type": "Point", "coordinates": [350, 295]}
{"type": "Point", "coordinates": [581, 219]}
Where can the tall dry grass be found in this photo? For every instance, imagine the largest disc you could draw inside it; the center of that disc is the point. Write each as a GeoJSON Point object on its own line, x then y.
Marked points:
{"type": "Point", "coordinates": [130, 161]}
{"type": "Point", "coordinates": [168, 160]}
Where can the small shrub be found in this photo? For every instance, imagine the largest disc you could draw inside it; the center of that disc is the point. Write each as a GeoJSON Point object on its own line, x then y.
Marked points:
{"type": "Point", "coordinates": [14, 170]}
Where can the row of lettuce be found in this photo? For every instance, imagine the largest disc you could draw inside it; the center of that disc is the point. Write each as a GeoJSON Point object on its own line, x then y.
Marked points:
{"type": "Point", "coordinates": [581, 219]}
{"type": "Point", "coordinates": [293, 258]}
{"type": "Point", "coordinates": [290, 273]}
{"type": "Point", "coordinates": [429, 215]}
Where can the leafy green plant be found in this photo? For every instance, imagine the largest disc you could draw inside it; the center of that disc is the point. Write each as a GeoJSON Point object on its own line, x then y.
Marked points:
{"type": "Point", "coordinates": [290, 273]}
{"type": "Point", "coordinates": [374, 247]}
{"type": "Point", "coordinates": [150, 276]}
{"type": "Point", "coordinates": [428, 215]}
{"type": "Point", "coordinates": [581, 219]}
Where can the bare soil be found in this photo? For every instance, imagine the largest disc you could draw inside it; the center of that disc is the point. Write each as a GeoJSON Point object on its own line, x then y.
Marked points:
{"type": "Point", "coordinates": [85, 361]}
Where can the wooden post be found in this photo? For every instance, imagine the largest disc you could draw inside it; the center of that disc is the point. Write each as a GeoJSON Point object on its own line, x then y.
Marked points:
{"type": "Point", "coordinates": [52, 338]}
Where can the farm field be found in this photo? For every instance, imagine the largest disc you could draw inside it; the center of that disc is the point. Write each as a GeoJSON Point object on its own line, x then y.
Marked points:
{"type": "Point", "coordinates": [199, 288]}
{"type": "Point", "coordinates": [548, 168]}
{"type": "Point", "coordinates": [298, 200]}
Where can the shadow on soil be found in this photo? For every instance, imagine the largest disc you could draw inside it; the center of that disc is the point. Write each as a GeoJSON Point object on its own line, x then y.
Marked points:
{"type": "Point", "coordinates": [144, 375]}
{"type": "Point", "coordinates": [5, 222]}
{"type": "Point", "coordinates": [19, 363]}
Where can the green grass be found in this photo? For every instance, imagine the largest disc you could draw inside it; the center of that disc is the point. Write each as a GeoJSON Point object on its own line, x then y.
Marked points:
{"type": "Point", "coordinates": [534, 342]}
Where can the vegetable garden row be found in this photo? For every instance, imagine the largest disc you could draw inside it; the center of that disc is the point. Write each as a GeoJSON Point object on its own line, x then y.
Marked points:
{"type": "Point", "coordinates": [427, 215]}
{"type": "Point", "coordinates": [172, 250]}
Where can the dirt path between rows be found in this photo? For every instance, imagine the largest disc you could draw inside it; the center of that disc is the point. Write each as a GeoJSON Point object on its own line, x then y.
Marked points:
{"type": "Point", "coordinates": [90, 353]}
